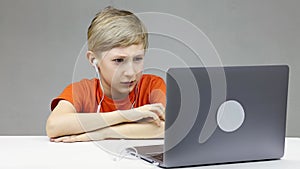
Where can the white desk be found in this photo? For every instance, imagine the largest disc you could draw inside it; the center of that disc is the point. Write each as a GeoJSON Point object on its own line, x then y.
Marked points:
{"type": "Point", "coordinates": [36, 152]}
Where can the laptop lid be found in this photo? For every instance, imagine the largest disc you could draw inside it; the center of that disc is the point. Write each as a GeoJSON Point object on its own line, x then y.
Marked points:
{"type": "Point", "coordinates": [225, 114]}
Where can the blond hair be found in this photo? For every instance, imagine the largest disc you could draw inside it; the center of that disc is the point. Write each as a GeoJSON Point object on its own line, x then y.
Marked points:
{"type": "Point", "coordinates": [116, 28]}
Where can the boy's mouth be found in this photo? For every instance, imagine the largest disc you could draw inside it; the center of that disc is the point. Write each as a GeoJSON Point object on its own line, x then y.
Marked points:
{"type": "Point", "coordinates": [130, 83]}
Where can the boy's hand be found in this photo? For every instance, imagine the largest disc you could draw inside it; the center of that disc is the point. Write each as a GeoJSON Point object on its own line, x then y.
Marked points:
{"type": "Point", "coordinates": [71, 139]}
{"type": "Point", "coordinates": [88, 136]}
{"type": "Point", "coordinates": [152, 111]}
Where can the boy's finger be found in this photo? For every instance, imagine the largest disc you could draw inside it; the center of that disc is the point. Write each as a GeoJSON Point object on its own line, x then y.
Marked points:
{"type": "Point", "coordinates": [159, 112]}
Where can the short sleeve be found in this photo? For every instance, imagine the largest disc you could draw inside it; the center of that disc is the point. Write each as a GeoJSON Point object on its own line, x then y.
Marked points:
{"type": "Point", "coordinates": [69, 94]}
{"type": "Point", "coordinates": [158, 91]}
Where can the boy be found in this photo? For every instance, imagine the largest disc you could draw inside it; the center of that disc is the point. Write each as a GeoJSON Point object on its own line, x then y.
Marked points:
{"type": "Point", "coordinates": [130, 104]}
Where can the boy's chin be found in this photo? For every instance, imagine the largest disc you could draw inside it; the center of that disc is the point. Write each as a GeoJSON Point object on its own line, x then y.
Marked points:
{"type": "Point", "coordinates": [126, 91]}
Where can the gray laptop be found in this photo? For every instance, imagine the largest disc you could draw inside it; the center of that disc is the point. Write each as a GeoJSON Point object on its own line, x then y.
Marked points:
{"type": "Point", "coordinates": [217, 115]}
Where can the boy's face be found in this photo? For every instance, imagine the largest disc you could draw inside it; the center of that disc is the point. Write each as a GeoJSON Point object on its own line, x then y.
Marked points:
{"type": "Point", "coordinates": [121, 69]}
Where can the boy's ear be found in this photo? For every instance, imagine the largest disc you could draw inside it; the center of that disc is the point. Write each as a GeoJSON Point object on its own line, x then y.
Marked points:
{"type": "Point", "coordinates": [90, 56]}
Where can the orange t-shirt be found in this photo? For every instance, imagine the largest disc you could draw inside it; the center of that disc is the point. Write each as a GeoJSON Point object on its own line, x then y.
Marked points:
{"type": "Point", "coordinates": [86, 95]}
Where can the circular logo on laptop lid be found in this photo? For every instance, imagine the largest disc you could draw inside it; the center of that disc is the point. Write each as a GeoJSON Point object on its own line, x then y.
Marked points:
{"type": "Point", "coordinates": [230, 116]}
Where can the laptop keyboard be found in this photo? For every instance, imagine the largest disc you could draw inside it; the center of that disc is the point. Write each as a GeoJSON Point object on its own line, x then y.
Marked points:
{"type": "Point", "coordinates": [159, 157]}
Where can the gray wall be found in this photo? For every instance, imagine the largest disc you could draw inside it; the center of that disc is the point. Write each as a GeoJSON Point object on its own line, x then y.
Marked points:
{"type": "Point", "coordinates": [42, 46]}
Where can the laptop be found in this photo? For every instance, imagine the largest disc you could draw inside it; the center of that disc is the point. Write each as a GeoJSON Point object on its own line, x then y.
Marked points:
{"type": "Point", "coordinates": [219, 115]}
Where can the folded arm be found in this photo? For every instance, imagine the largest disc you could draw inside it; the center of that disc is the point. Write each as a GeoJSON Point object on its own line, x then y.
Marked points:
{"type": "Point", "coordinates": [125, 131]}
{"type": "Point", "coordinates": [65, 121]}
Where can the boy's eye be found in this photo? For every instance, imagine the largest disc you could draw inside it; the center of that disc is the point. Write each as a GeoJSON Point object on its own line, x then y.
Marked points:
{"type": "Point", "coordinates": [118, 60]}
{"type": "Point", "coordinates": [138, 59]}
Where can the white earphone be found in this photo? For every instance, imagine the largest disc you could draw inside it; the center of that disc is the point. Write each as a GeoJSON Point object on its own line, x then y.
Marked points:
{"type": "Point", "coordinates": [95, 62]}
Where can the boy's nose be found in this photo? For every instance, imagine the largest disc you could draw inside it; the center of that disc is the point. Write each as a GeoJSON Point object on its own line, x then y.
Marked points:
{"type": "Point", "coordinates": [129, 70]}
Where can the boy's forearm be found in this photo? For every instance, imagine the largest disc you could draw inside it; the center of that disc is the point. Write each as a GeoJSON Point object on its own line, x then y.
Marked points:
{"type": "Point", "coordinates": [76, 123]}
{"type": "Point", "coordinates": [136, 131]}
{"type": "Point", "coordinates": [72, 123]}
{"type": "Point", "coordinates": [129, 131]}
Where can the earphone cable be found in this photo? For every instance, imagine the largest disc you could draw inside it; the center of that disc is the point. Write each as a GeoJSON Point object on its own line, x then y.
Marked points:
{"type": "Point", "coordinates": [101, 86]}
{"type": "Point", "coordinates": [102, 97]}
